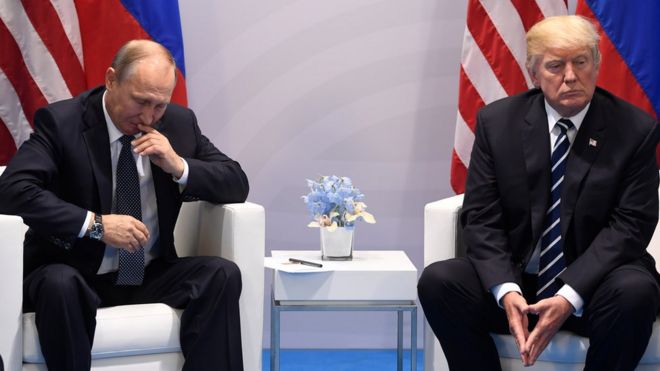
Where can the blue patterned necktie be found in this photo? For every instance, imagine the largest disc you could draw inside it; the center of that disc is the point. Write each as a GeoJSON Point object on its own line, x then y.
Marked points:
{"type": "Point", "coordinates": [128, 202]}
{"type": "Point", "coordinates": [552, 262]}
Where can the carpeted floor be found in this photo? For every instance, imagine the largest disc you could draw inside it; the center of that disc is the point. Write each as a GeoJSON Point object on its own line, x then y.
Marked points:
{"type": "Point", "coordinates": [341, 360]}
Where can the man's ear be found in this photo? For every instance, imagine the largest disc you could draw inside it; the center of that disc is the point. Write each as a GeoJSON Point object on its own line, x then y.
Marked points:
{"type": "Point", "coordinates": [533, 77]}
{"type": "Point", "coordinates": [110, 78]}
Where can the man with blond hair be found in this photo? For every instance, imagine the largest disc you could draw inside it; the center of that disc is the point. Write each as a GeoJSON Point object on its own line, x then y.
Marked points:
{"type": "Point", "coordinates": [100, 183]}
{"type": "Point", "coordinates": [560, 204]}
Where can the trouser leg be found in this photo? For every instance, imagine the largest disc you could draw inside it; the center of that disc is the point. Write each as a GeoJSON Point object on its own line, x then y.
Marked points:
{"type": "Point", "coordinates": [65, 315]}
{"type": "Point", "coordinates": [461, 314]}
{"type": "Point", "coordinates": [619, 319]}
{"type": "Point", "coordinates": [208, 288]}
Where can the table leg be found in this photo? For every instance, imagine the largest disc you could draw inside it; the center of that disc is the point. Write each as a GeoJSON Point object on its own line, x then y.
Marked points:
{"type": "Point", "coordinates": [399, 340]}
{"type": "Point", "coordinates": [413, 339]}
{"type": "Point", "coordinates": [274, 337]}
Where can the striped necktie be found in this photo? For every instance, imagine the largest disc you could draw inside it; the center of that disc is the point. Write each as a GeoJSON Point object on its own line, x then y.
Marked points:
{"type": "Point", "coordinates": [552, 262]}
{"type": "Point", "coordinates": [128, 202]}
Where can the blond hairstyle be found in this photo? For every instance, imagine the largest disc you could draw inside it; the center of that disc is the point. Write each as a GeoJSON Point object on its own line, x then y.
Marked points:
{"type": "Point", "coordinates": [561, 32]}
{"type": "Point", "coordinates": [135, 50]}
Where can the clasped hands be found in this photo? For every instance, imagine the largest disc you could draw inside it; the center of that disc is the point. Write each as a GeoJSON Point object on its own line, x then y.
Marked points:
{"type": "Point", "coordinates": [552, 313]}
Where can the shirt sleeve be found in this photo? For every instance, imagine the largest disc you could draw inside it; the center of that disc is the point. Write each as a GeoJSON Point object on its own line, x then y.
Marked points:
{"type": "Point", "coordinates": [502, 289]}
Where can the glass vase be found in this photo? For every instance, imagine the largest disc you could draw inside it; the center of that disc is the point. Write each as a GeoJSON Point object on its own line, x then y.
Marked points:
{"type": "Point", "coordinates": [337, 244]}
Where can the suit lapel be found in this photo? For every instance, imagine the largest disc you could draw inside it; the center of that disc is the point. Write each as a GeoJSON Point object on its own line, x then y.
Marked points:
{"type": "Point", "coordinates": [98, 148]}
{"type": "Point", "coordinates": [588, 142]}
{"type": "Point", "coordinates": [536, 150]}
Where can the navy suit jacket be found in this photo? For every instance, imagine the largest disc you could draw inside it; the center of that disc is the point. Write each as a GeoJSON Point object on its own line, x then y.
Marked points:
{"type": "Point", "coordinates": [609, 206]}
{"type": "Point", "coordinates": [64, 169]}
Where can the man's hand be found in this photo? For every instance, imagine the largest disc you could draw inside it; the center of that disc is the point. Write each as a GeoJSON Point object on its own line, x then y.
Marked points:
{"type": "Point", "coordinates": [155, 145]}
{"type": "Point", "coordinates": [124, 232]}
{"type": "Point", "coordinates": [515, 306]}
{"type": "Point", "coordinates": [552, 313]}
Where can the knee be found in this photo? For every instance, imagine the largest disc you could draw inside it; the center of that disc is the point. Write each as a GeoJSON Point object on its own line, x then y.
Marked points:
{"type": "Point", "coordinates": [55, 283]}
{"type": "Point", "coordinates": [227, 273]}
{"type": "Point", "coordinates": [633, 296]}
{"type": "Point", "coordinates": [434, 282]}
{"type": "Point", "coordinates": [56, 279]}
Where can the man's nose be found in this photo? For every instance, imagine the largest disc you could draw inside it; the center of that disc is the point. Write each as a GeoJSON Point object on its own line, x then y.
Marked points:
{"type": "Point", "coordinates": [569, 74]}
{"type": "Point", "coordinates": [147, 115]}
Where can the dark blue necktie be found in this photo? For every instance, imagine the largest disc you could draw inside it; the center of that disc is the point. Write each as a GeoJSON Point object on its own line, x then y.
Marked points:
{"type": "Point", "coordinates": [128, 202]}
{"type": "Point", "coordinates": [552, 261]}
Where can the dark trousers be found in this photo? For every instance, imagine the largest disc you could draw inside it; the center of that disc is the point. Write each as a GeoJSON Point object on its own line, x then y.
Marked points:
{"type": "Point", "coordinates": [618, 319]}
{"type": "Point", "coordinates": [207, 288]}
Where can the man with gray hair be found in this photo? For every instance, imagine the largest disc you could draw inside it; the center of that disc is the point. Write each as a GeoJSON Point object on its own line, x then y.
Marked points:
{"type": "Point", "coordinates": [100, 183]}
{"type": "Point", "coordinates": [560, 204]}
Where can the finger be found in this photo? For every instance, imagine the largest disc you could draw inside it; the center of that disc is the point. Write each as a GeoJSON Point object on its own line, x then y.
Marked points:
{"type": "Point", "coordinates": [534, 308]}
{"type": "Point", "coordinates": [518, 334]}
{"type": "Point", "coordinates": [537, 349]}
{"type": "Point", "coordinates": [143, 142]}
{"type": "Point", "coordinates": [141, 238]}
{"type": "Point", "coordinates": [129, 246]}
{"type": "Point", "coordinates": [142, 229]}
{"type": "Point", "coordinates": [145, 149]}
{"type": "Point", "coordinates": [146, 128]}
{"type": "Point", "coordinates": [536, 343]}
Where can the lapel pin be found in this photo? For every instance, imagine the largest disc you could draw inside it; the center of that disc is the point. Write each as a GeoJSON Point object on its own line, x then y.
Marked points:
{"type": "Point", "coordinates": [593, 142]}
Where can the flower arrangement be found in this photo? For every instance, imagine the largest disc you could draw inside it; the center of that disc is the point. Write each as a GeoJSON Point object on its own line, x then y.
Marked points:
{"type": "Point", "coordinates": [334, 202]}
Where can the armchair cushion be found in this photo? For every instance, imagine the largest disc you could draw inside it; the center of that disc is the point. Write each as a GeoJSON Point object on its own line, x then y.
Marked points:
{"type": "Point", "coordinates": [124, 330]}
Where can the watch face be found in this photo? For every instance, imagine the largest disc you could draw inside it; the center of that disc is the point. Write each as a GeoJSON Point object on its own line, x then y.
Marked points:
{"type": "Point", "coordinates": [97, 229]}
{"type": "Point", "coordinates": [96, 234]}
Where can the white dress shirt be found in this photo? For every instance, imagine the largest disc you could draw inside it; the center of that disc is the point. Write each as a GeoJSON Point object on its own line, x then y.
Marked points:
{"type": "Point", "coordinates": [110, 261]}
{"type": "Point", "coordinates": [533, 265]}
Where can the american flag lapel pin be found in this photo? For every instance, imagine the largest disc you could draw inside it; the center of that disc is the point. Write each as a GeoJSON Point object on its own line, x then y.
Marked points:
{"type": "Point", "coordinates": [593, 142]}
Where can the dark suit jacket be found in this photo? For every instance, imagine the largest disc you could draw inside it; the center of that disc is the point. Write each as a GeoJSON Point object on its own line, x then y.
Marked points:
{"type": "Point", "coordinates": [609, 206]}
{"type": "Point", "coordinates": [64, 169]}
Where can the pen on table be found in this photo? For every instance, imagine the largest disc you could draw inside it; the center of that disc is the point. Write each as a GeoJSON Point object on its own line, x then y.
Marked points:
{"type": "Point", "coordinates": [305, 262]}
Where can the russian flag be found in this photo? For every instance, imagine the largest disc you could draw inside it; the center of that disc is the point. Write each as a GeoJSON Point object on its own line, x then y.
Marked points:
{"type": "Point", "coordinates": [630, 46]}
{"type": "Point", "coordinates": [106, 25]}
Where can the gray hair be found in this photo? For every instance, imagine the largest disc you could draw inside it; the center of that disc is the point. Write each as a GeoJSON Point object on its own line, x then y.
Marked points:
{"type": "Point", "coordinates": [135, 50]}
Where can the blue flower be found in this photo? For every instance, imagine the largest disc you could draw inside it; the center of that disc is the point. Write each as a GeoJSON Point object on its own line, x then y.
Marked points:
{"type": "Point", "coordinates": [334, 202]}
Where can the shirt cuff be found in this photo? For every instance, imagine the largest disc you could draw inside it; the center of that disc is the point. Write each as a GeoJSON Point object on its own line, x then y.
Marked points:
{"type": "Point", "coordinates": [573, 297]}
{"type": "Point", "coordinates": [83, 230]}
{"type": "Point", "coordinates": [502, 289]}
{"type": "Point", "coordinates": [183, 181]}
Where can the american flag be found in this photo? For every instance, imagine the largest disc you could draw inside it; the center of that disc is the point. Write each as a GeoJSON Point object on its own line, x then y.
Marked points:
{"type": "Point", "coordinates": [492, 65]}
{"type": "Point", "coordinates": [53, 50]}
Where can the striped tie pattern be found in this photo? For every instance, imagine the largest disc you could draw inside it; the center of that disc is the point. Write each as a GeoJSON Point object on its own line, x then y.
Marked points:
{"type": "Point", "coordinates": [128, 202]}
{"type": "Point", "coordinates": [552, 262]}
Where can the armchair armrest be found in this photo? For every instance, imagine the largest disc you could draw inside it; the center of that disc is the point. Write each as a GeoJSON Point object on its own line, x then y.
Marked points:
{"type": "Point", "coordinates": [236, 232]}
{"type": "Point", "coordinates": [440, 241]}
{"type": "Point", "coordinates": [440, 229]}
{"type": "Point", "coordinates": [12, 232]}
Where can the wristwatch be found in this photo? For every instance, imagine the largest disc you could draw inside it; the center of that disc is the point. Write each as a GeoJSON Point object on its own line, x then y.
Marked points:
{"type": "Point", "coordinates": [96, 230]}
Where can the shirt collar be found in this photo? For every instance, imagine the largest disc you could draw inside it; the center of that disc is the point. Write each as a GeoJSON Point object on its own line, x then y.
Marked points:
{"type": "Point", "coordinates": [554, 116]}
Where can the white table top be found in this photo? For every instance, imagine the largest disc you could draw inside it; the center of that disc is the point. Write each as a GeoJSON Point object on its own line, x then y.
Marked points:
{"type": "Point", "coordinates": [370, 276]}
{"type": "Point", "coordinates": [362, 260]}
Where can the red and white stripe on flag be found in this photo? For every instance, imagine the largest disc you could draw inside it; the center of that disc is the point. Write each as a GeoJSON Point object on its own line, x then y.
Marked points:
{"type": "Point", "coordinates": [492, 65]}
{"type": "Point", "coordinates": [41, 62]}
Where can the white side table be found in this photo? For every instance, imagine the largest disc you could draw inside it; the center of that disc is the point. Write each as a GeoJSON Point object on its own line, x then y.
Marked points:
{"type": "Point", "coordinates": [372, 281]}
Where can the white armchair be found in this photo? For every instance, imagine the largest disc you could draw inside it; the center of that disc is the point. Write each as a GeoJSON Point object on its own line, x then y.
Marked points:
{"type": "Point", "coordinates": [565, 352]}
{"type": "Point", "coordinates": [232, 231]}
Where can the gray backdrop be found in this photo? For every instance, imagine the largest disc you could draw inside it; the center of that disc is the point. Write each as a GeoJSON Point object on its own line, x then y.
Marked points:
{"type": "Point", "coordinates": [360, 88]}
